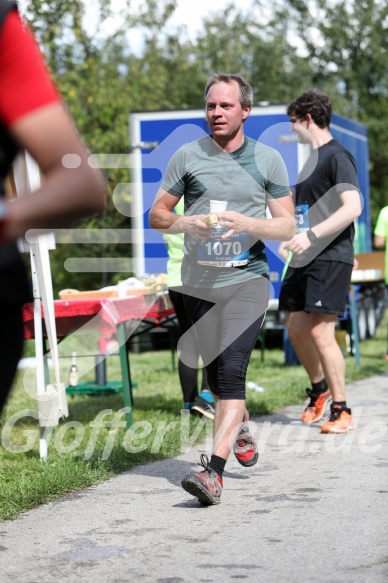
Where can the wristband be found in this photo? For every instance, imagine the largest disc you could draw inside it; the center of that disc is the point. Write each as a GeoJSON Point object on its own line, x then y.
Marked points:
{"type": "Point", "coordinates": [3, 218]}
{"type": "Point", "coordinates": [312, 236]}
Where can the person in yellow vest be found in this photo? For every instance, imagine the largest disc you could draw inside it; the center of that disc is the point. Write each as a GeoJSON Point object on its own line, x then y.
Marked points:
{"type": "Point", "coordinates": [203, 403]}
{"type": "Point", "coordinates": [380, 240]}
{"type": "Point", "coordinates": [290, 356]}
{"type": "Point", "coordinates": [381, 236]}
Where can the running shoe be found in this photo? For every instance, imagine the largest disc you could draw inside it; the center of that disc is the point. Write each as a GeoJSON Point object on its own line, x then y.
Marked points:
{"type": "Point", "coordinates": [245, 447]}
{"type": "Point", "coordinates": [340, 420]}
{"type": "Point", "coordinates": [316, 408]}
{"type": "Point", "coordinates": [202, 407]}
{"type": "Point", "coordinates": [206, 485]}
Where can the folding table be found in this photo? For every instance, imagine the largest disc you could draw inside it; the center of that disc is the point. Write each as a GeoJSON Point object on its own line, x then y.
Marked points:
{"type": "Point", "coordinates": [126, 317]}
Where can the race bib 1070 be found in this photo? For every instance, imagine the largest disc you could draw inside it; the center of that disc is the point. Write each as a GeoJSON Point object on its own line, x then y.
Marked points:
{"type": "Point", "coordinates": [217, 252]}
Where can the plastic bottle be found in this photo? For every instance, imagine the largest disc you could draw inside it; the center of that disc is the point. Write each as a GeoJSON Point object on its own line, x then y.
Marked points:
{"type": "Point", "coordinates": [73, 374]}
{"type": "Point", "coordinates": [254, 387]}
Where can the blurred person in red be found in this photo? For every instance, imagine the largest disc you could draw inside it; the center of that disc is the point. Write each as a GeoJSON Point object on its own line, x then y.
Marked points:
{"type": "Point", "coordinates": [33, 118]}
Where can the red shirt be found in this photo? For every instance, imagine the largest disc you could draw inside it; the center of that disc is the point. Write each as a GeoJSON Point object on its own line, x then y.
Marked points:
{"type": "Point", "coordinates": [25, 84]}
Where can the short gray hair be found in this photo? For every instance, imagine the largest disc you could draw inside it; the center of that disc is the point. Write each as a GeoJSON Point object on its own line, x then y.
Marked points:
{"type": "Point", "coordinates": [246, 92]}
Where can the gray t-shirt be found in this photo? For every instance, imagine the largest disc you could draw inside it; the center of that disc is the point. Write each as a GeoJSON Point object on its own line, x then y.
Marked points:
{"type": "Point", "coordinates": [201, 171]}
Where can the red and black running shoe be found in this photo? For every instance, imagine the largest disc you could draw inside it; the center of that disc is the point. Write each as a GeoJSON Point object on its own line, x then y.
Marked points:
{"type": "Point", "coordinates": [206, 485]}
{"type": "Point", "coordinates": [245, 447]}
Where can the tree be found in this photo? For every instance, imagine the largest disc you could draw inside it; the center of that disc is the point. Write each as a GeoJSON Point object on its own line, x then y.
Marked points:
{"type": "Point", "coordinates": [347, 45]}
{"type": "Point", "coordinates": [281, 46]}
{"type": "Point", "coordinates": [260, 51]}
{"type": "Point", "coordinates": [101, 80]}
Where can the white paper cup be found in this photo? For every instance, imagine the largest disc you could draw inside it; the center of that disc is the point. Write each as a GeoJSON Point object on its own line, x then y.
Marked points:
{"type": "Point", "coordinates": [217, 206]}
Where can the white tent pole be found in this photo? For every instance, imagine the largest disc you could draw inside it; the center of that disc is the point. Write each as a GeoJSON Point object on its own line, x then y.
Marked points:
{"type": "Point", "coordinates": [51, 399]}
{"type": "Point", "coordinates": [39, 354]}
{"type": "Point", "coordinates": [42, 263]}
{"type": "Point", "coordinates": [43, 270]}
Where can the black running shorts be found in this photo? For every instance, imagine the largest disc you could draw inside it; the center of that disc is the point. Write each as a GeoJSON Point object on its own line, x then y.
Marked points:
{"type": "Point", "coordinates": [320, 287]}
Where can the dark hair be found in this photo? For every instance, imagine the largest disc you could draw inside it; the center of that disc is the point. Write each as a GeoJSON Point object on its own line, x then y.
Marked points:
{"type": "Point", "coordinates": [314, 102]}
{"type": "Point", "coordinates": [246, 92]}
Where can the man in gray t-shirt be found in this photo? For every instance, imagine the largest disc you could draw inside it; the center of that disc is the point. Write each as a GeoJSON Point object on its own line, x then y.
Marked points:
{"type": "Point", "coordinates": [225, 270]}
{"type": "Point", "coordinates": [245, 178]}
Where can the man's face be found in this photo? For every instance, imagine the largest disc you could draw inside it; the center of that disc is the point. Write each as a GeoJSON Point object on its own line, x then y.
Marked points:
{"type": "Point", "coordinates": [224, 112]}
{"type": "Point", "coordinates": [300, 126]}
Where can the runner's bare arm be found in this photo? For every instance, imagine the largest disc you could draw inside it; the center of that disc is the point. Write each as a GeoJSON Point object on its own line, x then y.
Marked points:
{"type": "Point", "coordinates": [66, 194]}
{"type": "Point", "coordinates": [378, 241]}
{"type": "Point", "coordinates": [337, 222]}
{"type": "Point", "coordinates": [351, 208]}
{"type": "Point", "coordinates": [163, 219]}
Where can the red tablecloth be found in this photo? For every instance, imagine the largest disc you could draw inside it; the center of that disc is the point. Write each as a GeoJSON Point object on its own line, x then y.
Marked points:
{"type": "Point", "coordinates": [109, 313]}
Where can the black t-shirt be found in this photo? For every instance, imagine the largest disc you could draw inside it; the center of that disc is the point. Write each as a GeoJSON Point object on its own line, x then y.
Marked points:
{"type": "Point", "coordinates": [329, 171]}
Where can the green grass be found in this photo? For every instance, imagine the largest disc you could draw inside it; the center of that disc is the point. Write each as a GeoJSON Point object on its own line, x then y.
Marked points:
{"type": "Point", "coordinates": [79, 455]}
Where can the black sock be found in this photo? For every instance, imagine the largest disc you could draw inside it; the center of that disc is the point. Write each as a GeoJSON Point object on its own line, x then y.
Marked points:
{"type": "Point", "coordinates": [217, 464]}
{"type": "Point", "coordinates": [341, 404]}
{"type": "Point", "coordinates": [319, 388]}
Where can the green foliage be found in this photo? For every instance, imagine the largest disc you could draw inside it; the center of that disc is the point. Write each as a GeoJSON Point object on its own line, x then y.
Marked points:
{"type": "Point", "coordinates": [232, 41]}
{"type": "Point", "coordinates": [102, 78]}
{"type": "Point", "coordinates": [101, 82]}
{"type": "Point", "coordinates": [347, 46]}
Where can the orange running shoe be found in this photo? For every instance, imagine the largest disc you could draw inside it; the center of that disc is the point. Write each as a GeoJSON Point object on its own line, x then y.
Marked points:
{"type": "Point", "coordinates": [340, 421]}
{"type": "Point", "coordinates": [316, 408]}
